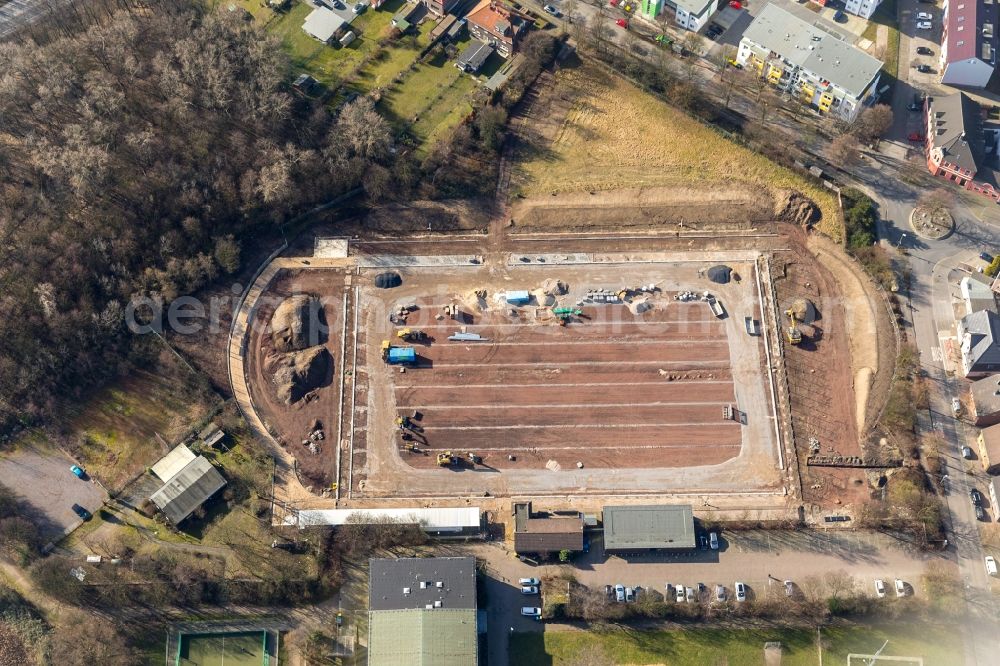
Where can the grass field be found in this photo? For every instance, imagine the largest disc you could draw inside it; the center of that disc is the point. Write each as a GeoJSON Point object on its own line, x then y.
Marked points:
{"type": "Point", "coordinates": [616, 136]}
{"type": "Point", "coordinates": [222, 650]}
{"type": "Point", "coordinates": [127, 426]}
{"type": "Point", "coordinates": [938, 645]}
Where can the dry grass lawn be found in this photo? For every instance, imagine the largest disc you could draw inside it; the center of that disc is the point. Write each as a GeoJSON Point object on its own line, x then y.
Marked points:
{"type": "Point", "coordinates": [614, 135]}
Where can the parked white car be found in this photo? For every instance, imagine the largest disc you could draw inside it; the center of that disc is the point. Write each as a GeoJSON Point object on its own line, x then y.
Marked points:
{"type": "Point", "coordinates": [529, 589]}
{"type": "Point", "coordinates": [789, 588]}
{"type": "Point", "coordinates": [619, 593]}
{"type": "Point", "coordinates": [713, 540]}
{"type": "Point", "coordinates": [680, 594]}
{"type": "Point", "coordinates": [529, 581]}
{"type": "Point", "coordinates": [531, 611]}
{"type": "Point", "coordinates": [924, 25]}
{"type": "Point", "coordinates": [879, 588]}
{"type": "Point", "coordinates": [689, 592]}
{"type": "Point", "coordinates": [900, 588]}
{"type": "Point", "coordinates": [924, 16]}
{"type": "Point", "coordinates": [991, 566]}
{"type": "Point", "coordinates": [741, 591]}
{"type": "Point", "coordinates": [720, 593]}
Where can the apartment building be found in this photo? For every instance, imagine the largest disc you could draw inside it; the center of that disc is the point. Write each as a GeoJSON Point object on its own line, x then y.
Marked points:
{"type": "Point", "coordinates": [816, 66]}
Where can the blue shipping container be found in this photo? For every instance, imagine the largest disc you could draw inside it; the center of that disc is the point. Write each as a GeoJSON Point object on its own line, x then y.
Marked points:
{"type": "Point", "coordinates": [518, 297]}
{"type": "Point", "coordinates": [402, 355]}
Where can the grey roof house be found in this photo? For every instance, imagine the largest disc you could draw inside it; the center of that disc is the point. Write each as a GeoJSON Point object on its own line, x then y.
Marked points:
{"type": "Point", "coordinates": [978, 335]}
{"type": "Point", "coordinates": [649, 527]}
{"type": "Point", "coordinates": [986, 401]}
{"type": "Point", "coordinates": [188, 488]}
{"type": "Point", "coordinates": [422, 611]}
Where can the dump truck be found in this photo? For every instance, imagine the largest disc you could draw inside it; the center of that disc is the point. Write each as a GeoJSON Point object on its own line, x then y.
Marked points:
{"type": "Point", "coordinates": [716, 306]}
{"type": "Point", "coordinates": [792, 333]}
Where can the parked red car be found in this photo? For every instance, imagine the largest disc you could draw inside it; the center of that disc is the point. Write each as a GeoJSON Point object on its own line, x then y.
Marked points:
{"type": "Point", "coordinates": [614, 3]}
{"type": "Point", "coordinates": [622, 23]}
{"type": "Point", "coordinates": [916, 136]}
{"type": "Point", "coordinates": [735, 4]}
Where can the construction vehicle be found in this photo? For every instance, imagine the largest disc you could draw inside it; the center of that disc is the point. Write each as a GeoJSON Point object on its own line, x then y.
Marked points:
{"type": "Point", "coordinates": [567, 311]}
{"type": "Point", "coordinates": [792, 333]}
{"type": "Point", "coordinates": [474, 459]}
{"type": "Point", "coordinates": [447, 459]}
{"type": "Point", "coordinates": [411, 335]}
{"type": "Point", "coordinates": [398, 355]}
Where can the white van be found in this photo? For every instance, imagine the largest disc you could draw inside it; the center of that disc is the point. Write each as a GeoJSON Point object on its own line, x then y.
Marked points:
{"type": "Point", "coordinates": [991, 565]}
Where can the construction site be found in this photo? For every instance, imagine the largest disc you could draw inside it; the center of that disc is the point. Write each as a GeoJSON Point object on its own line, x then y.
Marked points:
{"type": "Point", "coordinates": [590, 366]}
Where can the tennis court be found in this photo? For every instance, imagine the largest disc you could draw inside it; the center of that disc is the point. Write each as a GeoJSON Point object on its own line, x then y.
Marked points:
{"type": "Point", "coordinates": [232, 649]}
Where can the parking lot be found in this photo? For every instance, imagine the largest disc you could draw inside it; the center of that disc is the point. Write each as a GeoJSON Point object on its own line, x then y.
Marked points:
{"type": "Point", "coordinates": [40, 476]}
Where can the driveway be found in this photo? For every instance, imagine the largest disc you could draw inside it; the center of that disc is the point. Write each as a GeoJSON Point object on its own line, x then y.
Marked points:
{"type": "Point", "coordinates": [41, 477]}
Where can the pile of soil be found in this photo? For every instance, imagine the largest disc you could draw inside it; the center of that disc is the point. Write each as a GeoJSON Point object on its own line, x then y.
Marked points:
{"type": "Point", "coordinates": [804, 310]}
{"type": "Point", "coordinates": [298, 323]}
{"type": "Point", "coordinates": [297, 373]}
{"type": "Point", "coordinates": [797, 209]}
{"type": "Point", "coordinates": [554, 287]}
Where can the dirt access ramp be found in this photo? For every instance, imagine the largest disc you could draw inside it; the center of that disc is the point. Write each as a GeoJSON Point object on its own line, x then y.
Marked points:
{"type": "Point", "coordinates": [660, 208]}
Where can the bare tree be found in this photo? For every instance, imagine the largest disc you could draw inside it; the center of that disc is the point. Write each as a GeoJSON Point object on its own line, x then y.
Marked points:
{"type": "Point", "coordinates": [872, 123]}
{"type": "Point", "coordinates": [844, 150]}
{"type": "Point", "coordinates": [936, 201]}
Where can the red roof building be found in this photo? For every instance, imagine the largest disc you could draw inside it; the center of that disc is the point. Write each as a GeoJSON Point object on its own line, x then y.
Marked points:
{"type": "Point", "coordinates": [495, 24]}
{"type": "Point", "coordinates": [968, 42]}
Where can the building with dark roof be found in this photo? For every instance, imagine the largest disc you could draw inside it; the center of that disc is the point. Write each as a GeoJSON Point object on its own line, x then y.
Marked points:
{"type": "Point", "coordinates": [968, 42]}
{"type": "Point", "coordinates": [649, 527]}
{"type": "Point", "coordinates": [496, 24]}
{"type": "Point", "coordinates": [989, 449]}
{"type": "Point", "coordinates": [979, 337]}
{"type": "Point", "coordinates": [474, 57]}
{"type": "Point", "coordinates": [962, 143]}
{"type": "Point", "coordinates": [544, 535]}
{"type": "Point", "coordinates": [188, 489]}
{"type": "Point", "coordinates": [422, 611]}
{"type": "Point", "coordinates": [986, 401]}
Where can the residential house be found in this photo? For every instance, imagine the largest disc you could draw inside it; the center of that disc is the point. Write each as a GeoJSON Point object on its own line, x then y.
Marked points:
{"type": "Point", "coordinates": [323, 24]}
{"type": "Point", "coordinates": [976, 293]}
{"type": "Point", "coordinates": [978, 335]}
{"type": "Point", "coordinates": [968, 42]}
{"type": "Point", "coordinates": [817, 67]}
{"type": "Point", "coordinates": [495, 24]}
{"type": "Point", "coordinates": [989, 449]}
{"type": "Point", "coordinates": [694, 15]}
{"type": "Point", "coordinates": [985, 394]}
{"type": "Point", "coordinates": [961, 146]}
{"type": "Point", "coordinates": [422, 611]}
{"type": "Point", "coordinates": [862, 8]}
{"type": "Point", "coordinates": [545, 535]}
{"type": "Point", "coordinates": [649, 527]}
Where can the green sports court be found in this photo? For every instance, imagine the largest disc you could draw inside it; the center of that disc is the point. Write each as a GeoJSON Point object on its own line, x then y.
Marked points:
{"type": "Point", "coordinates": [248, 648]}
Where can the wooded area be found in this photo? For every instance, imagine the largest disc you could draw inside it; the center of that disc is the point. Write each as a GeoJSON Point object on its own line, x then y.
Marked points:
{"type": "Point", "coordinates": [138, 147]}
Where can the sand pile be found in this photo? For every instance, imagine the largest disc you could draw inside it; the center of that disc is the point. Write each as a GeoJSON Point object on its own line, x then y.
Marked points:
{"type": "Point", "coordinates": [298, 323]}
{"type": "Point", "coordinates": [297, 373]}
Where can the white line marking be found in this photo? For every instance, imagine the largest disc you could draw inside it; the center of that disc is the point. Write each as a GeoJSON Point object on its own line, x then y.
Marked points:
{"type": "Point", "coordinates": [587, 405]}
{"type": "Point", "coordinates": [547, 364]}
{"type": "Point", "coordinates": [610, 447]}
{"type": "Point", "coordinates": [564, 385]}
{"type": "Point", "coordinates": [602, 426]}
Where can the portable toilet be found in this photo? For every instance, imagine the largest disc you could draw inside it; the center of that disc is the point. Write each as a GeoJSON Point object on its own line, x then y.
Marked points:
{"type": "Point", "coordinates": [402, 355]}
{"type": "Point", "coordinates": [518, 297]}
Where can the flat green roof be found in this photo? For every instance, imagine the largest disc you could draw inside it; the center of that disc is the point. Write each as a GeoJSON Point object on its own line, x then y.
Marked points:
{"type": "Point", "coordinates": [648, 526]}
{"type": "Point", "coordinates": [423, 637]}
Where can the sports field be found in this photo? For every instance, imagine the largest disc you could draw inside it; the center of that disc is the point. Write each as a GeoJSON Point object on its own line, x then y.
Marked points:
{"type": "Point", "coordinates": [242, 649]}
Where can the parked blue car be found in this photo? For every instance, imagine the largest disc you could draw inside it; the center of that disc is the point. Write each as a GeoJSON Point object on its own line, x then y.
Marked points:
{"type": "Point", "coordinates": [80, 474]}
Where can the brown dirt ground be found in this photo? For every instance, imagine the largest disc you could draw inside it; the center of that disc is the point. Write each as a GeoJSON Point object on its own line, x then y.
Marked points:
{"type": "Point", "coordinates": [650, 394]}
{"type": "Point", "coordinates": [290, 423]}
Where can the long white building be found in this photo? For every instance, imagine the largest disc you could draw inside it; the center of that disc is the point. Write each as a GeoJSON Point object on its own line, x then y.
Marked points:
{"type": "Point", "coordinates": [816, 66]}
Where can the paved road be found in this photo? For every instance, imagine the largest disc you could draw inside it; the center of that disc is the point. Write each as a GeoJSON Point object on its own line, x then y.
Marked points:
{"type": "Point", "coordinates": [929, 313]}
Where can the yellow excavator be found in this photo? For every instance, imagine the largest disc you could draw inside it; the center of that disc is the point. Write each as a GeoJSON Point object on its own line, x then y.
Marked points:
{"type": "Point", "coordinates": [792, 333]}
{"type": "Point", "coordinates": [410, 335]}
{"type": "Point", "coordinates": [447, 459]}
